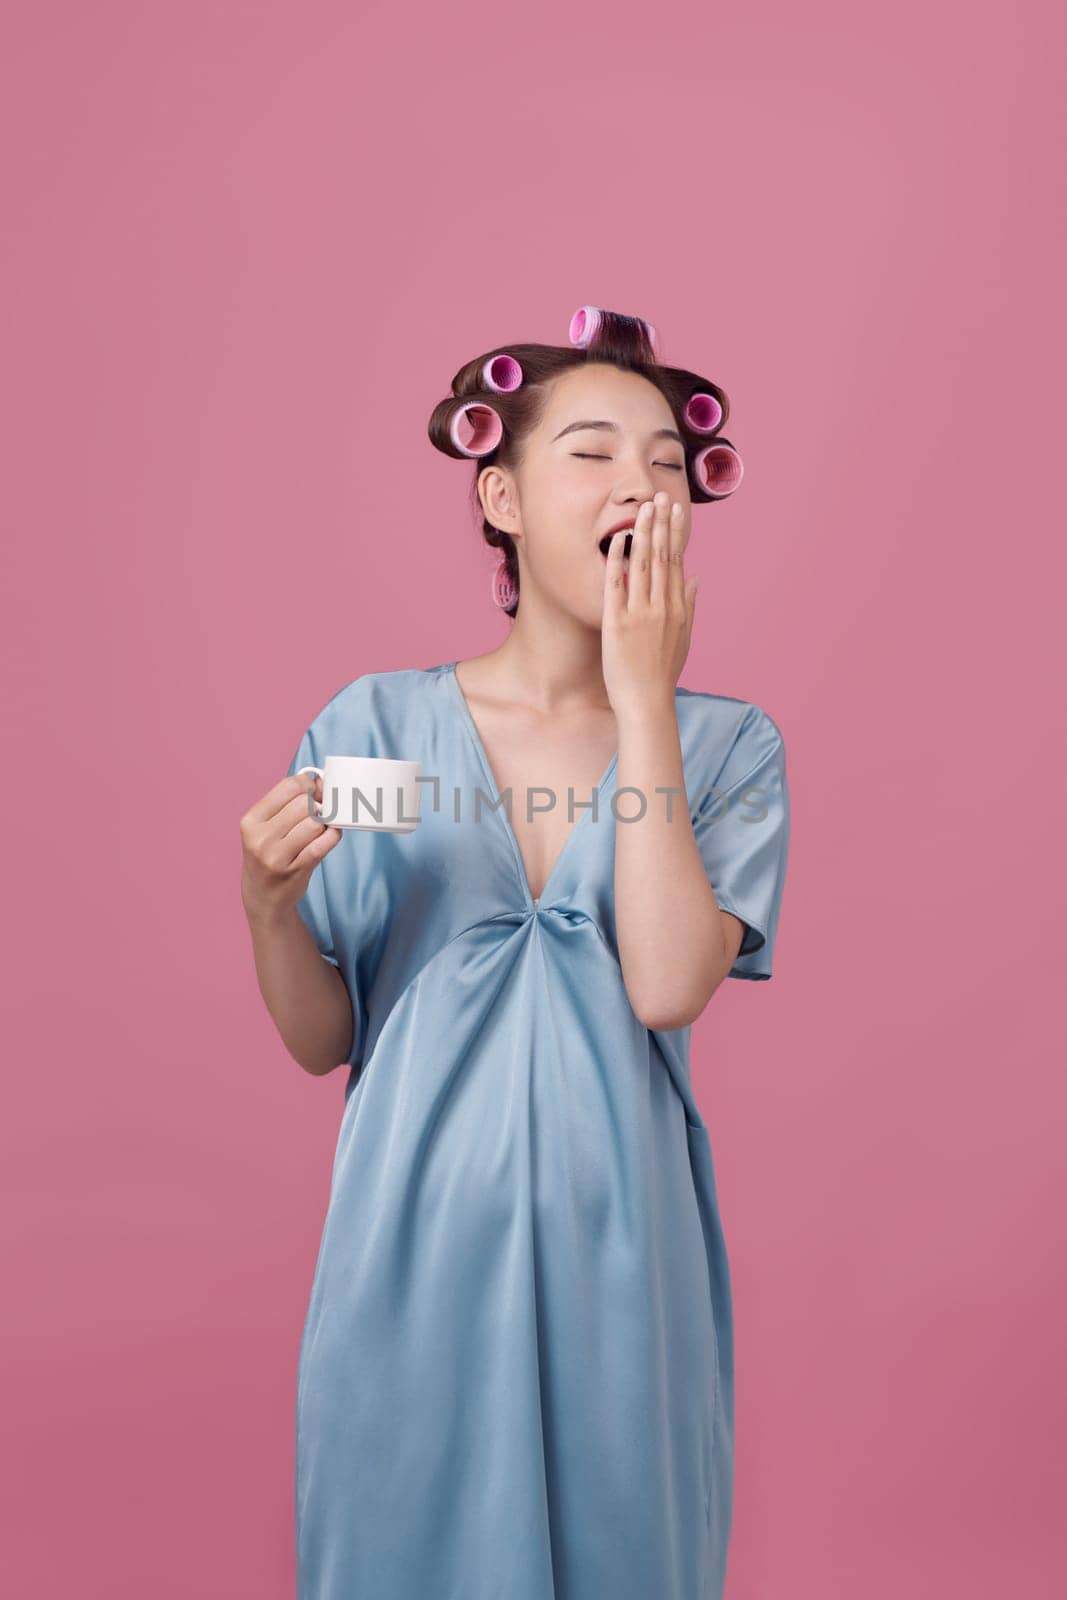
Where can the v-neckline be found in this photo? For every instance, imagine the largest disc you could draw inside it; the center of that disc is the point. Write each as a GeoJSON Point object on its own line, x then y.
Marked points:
{"type": "Point", "coordinates": [479, 748]}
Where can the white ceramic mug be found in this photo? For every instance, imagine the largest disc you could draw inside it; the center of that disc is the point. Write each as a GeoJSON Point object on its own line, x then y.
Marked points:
{"type": "Point", "coordinates": [374, 793]}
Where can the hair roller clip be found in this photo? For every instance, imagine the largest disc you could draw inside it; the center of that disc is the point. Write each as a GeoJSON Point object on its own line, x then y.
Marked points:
{"type": "Point", "coordinates": [718, 470]}
{"type": "Point", "coordinates": [481, 425]}
{"type": "Point", "coordinates": [703, 413]}
{"type": "Point", "coordinates": [587, 322]}
{"type": "Point", "coordinates": [502, 373]}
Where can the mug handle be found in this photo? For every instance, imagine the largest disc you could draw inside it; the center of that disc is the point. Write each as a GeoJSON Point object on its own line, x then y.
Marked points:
{"type": "Point", "coordinates": [317, 810]}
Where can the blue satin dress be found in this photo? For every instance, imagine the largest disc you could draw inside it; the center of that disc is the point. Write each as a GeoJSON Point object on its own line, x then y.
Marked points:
{"type": "Point", "coordinates": [516, 1376]}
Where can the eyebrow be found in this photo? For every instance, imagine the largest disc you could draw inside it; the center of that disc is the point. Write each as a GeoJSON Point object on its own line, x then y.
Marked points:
{"type": "Point", "coordinates": [613, 427]}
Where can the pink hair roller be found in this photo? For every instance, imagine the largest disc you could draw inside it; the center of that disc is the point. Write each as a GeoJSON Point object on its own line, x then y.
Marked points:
{"type": "Point", "coordinates": [587, 322]}
{"type": "Point", "coordinates": [718, 470]}
{"type": "Point", "coordinates": [482, 425]}
{"type": "Point", "coordinates": [502, 373]}
{"type": "Point", "coordinates": [585, 325]}
{"type": "Point", "coordinates": [501, 586]}
{"type": "Point", "coordinates": [703, 413]}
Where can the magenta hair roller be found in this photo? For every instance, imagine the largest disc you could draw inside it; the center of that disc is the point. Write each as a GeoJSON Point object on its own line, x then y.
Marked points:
{"type": "Point", "coordinates": [587, 322]}
{"type": "Point", "coordinates": [502, 373]}
{"type": "Point", "coordinates": [475, 429]}
{"type": "Point", "coordinates": [703, 413]}
{"type": "Point", "coordinates": [718, 470]}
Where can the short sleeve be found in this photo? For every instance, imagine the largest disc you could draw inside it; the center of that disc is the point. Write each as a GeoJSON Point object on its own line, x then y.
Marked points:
{"type": "Point", "coordinates": [741, 823]}
{"type": "Point", "coordinates": [322, 905]}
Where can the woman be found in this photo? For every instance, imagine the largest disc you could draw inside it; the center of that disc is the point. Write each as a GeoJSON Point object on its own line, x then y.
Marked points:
{"type": "Point", "coordinates": [516, 1374]}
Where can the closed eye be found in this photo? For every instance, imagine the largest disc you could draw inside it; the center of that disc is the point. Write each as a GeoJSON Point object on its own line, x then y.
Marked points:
{"type": "Point", "coordinates": [675, 466]}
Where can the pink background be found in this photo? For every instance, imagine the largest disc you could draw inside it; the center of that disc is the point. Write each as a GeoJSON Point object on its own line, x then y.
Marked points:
{"type": "Point", "coordinates": [245, 248]}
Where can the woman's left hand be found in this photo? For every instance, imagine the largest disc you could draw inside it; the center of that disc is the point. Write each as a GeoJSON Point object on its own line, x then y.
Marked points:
{"type": "Point", "coordinates": [648, 621]}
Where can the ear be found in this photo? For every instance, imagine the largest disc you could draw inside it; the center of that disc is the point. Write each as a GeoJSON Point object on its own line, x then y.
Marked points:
{"type": "Point", "coordinates": [497, 492]}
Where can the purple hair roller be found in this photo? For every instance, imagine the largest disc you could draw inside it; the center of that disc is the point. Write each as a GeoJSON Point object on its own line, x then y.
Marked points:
{"type": "Point", "coordinates": [482, 426]}
{"type": "Point", "coordinates": [502, 373]}
{"type": "Point", "coordinates": [703, 413]}
{"type": "Point", "coordinates": [587, 322]}
{"type": "Point", "coordinates": [718, 470]}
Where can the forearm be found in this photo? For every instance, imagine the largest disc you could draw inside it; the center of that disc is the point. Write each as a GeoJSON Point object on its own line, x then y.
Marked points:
{"type": "Point", "coordinates": [668, 923]}
{"type": "Point", "coordinates": [305, 994]}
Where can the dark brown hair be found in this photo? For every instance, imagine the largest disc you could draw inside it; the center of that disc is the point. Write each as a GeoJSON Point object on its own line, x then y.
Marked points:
{"type": "Point", "coordinates": [621, 341]}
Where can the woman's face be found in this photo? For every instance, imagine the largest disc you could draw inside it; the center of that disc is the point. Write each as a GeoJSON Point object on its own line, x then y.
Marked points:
{"type": "Point", "coordinates": [577, 482]}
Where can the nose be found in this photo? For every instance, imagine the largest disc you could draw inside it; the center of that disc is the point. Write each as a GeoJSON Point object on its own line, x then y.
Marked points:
{"type": "Point", "coordinates": [636, 486]}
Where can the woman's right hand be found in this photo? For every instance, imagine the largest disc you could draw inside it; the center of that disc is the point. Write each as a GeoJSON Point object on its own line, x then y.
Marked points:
{"type": "Point", "coordinates": [282, 845]}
